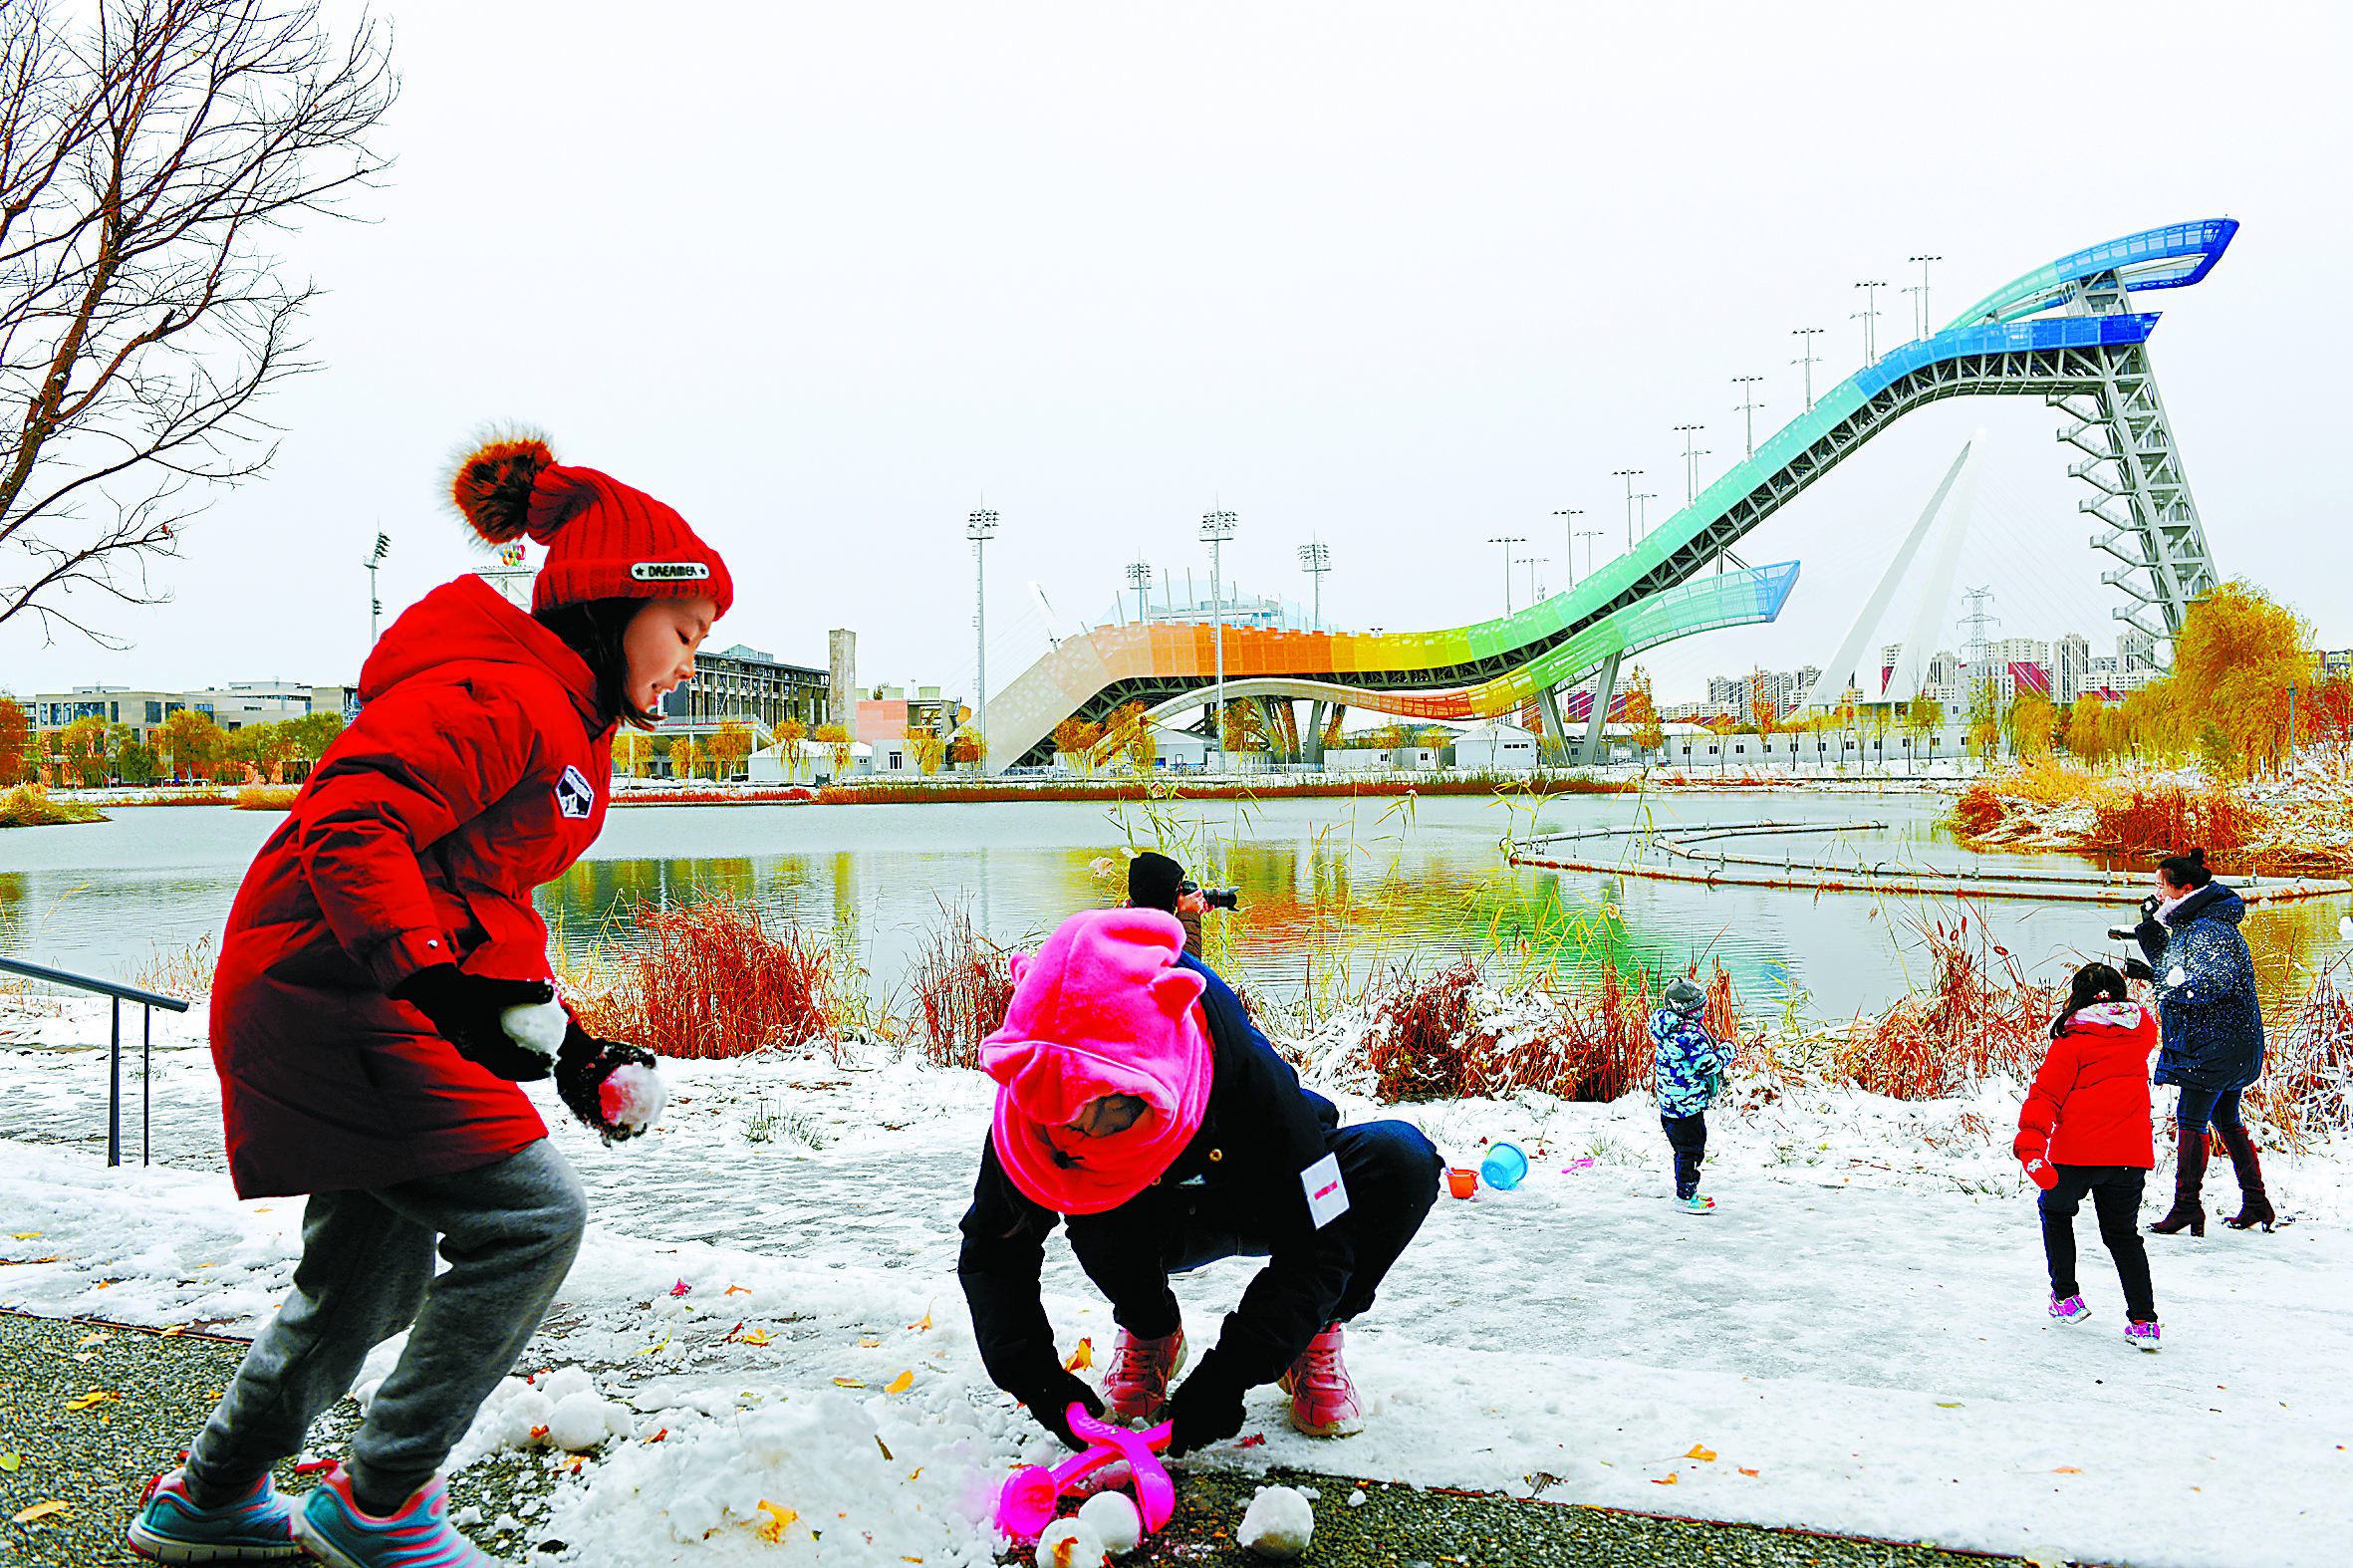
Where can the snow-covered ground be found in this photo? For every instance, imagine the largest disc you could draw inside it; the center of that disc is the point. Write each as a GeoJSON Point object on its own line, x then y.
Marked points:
{"type": "Point", "coordinates": [1855, 1338]}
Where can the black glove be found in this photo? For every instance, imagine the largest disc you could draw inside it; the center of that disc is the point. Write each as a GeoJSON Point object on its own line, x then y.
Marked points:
{"type": "Point", "coordinates": [464, 1010]}
{"type": "Point", "coordinates": [1207, 1408]}
{"type": "Point", "coordinates": [2135, 969]}
{"type": "Point", "coordinates": [582, 1067]}
{"type": "Point", "coordinates": [1050, 1406]}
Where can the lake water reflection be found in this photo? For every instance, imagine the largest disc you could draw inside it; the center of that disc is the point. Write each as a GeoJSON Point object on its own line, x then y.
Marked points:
{"type": "Point", "coordinates": [1325, 883]}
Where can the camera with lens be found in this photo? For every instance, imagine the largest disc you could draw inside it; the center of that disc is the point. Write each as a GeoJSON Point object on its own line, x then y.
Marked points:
{"type": "Point", "coordinates": [1214, 897]}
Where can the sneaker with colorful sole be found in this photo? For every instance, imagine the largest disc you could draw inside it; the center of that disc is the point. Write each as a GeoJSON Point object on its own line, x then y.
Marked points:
{"type": "Point", "coordinates": [2142, 1336]}
{"type": "Point", "coordinates": [334, 1528]}
{"type": "Point", "coordinates": [1696, 1203]}
{"type": "Point", "coordinates": [171, 1528]}
{"type": "Point", "coordinates": [2069, 1309]}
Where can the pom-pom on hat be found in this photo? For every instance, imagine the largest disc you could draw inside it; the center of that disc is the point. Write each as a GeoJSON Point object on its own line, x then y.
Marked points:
{"type": "Point", "coordinates": [605, 540]}
{"type": "Point", "coordinates": [1104, 1008]}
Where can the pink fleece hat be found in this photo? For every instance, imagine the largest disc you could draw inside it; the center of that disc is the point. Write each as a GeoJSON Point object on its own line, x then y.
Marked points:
{"type": "Point", "coordinates": [1102, 1010]}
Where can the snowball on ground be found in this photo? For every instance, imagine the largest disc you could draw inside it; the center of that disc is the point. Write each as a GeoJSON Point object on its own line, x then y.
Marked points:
{"type": "Point", "coordinates": [1069, 1543]}
{"type": "Point", "coordinates": [1278, 1524]}
{"type": "Point", "coordinates": [1112, 1518]}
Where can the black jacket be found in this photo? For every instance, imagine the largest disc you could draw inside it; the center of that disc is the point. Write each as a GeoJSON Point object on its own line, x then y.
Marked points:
{"type": "Point", "coordinates": [1260, 1131]}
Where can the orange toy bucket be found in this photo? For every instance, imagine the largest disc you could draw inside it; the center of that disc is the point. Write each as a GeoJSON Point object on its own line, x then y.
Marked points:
{"type": "Point", "coordinates": [1462, 1182]}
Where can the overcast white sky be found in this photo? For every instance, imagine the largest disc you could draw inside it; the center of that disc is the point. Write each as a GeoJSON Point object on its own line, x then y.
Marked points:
{"type": "Point", "coordinates": [1399, 277]}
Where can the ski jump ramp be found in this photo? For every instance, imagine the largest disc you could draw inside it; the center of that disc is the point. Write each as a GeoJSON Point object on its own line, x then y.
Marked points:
{"type": "Point", "coordinates": [2066, 332]}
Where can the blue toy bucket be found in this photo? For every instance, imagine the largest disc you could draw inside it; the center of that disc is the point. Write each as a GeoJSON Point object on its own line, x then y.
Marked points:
{"type": "Point", "coordinates": [1505, 1167]}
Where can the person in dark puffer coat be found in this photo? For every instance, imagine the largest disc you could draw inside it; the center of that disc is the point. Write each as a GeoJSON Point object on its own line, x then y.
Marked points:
{"type": "Point", "coordinates": [2213, 1027]}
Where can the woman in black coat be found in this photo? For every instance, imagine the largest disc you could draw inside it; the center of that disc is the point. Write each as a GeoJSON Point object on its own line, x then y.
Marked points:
{"type": "Point", "coordinates": [2212, 1024]}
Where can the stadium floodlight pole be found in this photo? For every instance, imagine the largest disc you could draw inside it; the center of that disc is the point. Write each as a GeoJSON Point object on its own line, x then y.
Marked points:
{"type": "Point", "coordinates": [1629, 475]}
{"type": "Point", "coordinates": [1140, 579]}
{"type": "Point", "coordinates": [1568, 516]}
{"type": "Point", "coordinates": [1507, 541]}
{"type": "Point", "coordinates": [1691, 462]}
{"type": "Point", "coordinates": [1868, 315]}
{"type": "Point", "coordinates": [384, 547]}
{"type": "Point", "coordinates": [980, 526]}
{"type": "Point", "coordinates": [1531, 562]}
{"type": "Point", "coordinates": [1315, 559]}
{"type": "Point", "coordinates": [1748, 407]}
{"type": "Point", "coordinates": [1589, 535]}
{"type": "Point", "coordinates": [1809, 334]}
{"type": "Point", "coordinates": [1643, 510]}
{"type": "Point", "coordinates": [1217, 528]}
{"type": "Point", "coordinates": [1925, 323]}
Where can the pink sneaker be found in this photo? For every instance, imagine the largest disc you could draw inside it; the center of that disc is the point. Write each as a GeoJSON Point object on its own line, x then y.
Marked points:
{"type": "Point", "coordinates": [1141, 1370]}
{"type": "Point", "coordinates": [1323, 1401]}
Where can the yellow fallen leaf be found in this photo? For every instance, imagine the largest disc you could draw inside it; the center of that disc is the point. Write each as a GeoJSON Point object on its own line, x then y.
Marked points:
{"type": "Point", "coordinates": [1082, 1358]}
{"type": "Point", "coordinates": [901, 1384]}
{"type": "Point", "coordinates": [773, 1519]}
{"type": "Point", "coordinates": [1669, 1481]}
{"type": "Point", "coordinates": [869, 1342]}
{"type": "Point", "coordinates": [176, 1328]}
{"type": "Point", "coordinates": [850, 1383]}
{"type": "Point", "coordinates": [924, 1327]}
{"type": "Point", "coordinates": [1745, 1470]}
{"type": "Point", "coordinates": [40, 1510]}
{"type": "Point", "coordinates": [737, 1290]}
{"type": "Point", "coordinates": [11, 1463]}
{"type": "Point", "coordinates": [2066, 1469]}
{"type": "Point", "coordinates": [24, 1235]}
{"type": "Point", "coordinates": [754, 1337]}
{"type": "Point", "coordinates": [1947, 1405]}
{"type": "Point", "coordinates": [1701, 1453]}
{"type": "Point", "coordinates": [660, 1344]}
{"type": "Point", "coordinates": [94, 1397]}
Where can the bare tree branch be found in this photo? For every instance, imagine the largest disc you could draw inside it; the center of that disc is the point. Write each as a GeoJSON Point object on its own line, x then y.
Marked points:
{"type": "Point", "coordinates": [146, 157]}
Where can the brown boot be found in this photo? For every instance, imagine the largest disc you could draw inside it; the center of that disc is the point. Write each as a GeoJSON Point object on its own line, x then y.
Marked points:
{"type": "Point", "coordinates": [2188, 1175]}
{"type": "Point", "coordinates": [2254, 1208]}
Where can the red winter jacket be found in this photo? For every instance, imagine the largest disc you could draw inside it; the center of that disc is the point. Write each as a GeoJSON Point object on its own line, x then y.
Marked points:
{"type": "Point", "coordinates": [2090, 1102]}
{"type": "Point", "coordinates": [475, 771]}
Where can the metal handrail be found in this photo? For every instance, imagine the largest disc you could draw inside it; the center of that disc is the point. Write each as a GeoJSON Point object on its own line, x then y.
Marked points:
{"type": "Point", "coordinates": [149, 1001]}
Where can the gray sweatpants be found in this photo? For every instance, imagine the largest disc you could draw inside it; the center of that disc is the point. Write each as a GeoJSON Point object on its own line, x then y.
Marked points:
{"type": "Point", "coordinates": [509, 1231]}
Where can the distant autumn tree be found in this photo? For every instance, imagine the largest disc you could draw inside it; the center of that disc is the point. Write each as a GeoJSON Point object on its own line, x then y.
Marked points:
{"type": "Point", "coordinates": [2031, 722]}
{"type": "Point", "coordinates": [730, 743]}
{"type": "Point", "coordinates": [193, 743]}
{"type": "Point", "coordinates": [686, 757]}
{"type": "Point", "coordinates": [2238, 654]}
{"type": "Point", "coordinates": [83, 745]}
{"type": "Point", "coordinates": [16, 741]}
{"type": "Point", "coordinates": [789, 736]}
{"type": "Point", "coordinates": [151, 152]}
{"type": "Point", "coordinates": [836, 739]}
{"type": "Point", "coordinates": [1642, 712]}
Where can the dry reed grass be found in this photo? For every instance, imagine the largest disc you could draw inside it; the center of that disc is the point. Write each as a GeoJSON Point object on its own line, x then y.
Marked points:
{"type": "Point", "coordinates": [2307, 1088]}
{"type": "Point", "coordinates": [1972, 1022]}
{"type": "Point", "coordinates": [266, 797]}
{"type": "Point", "coordinates": [710, 980]}
{"type": "Point", "coordinates": [1271, 786]}
{"type": "Point", "coordinates": [31, 806]}
{"type": "Point", "coordinates": [963, 984]}
{"type": "Point", "coordinates": [2167, 815]}
{"type": "Point", "coordinates": [186, 973]}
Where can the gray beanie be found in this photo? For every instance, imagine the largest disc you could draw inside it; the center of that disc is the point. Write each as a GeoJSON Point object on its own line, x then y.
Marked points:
{"type": "Point", "coordinates": [1685, 998]}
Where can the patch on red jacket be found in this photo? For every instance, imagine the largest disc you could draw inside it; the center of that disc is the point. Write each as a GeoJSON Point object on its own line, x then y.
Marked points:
{"type": "Point", "coordinates": [575, 796]}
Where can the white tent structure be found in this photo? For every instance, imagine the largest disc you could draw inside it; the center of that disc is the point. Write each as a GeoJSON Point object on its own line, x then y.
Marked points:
{"type": "Point", "coordinates": [1497, 748]}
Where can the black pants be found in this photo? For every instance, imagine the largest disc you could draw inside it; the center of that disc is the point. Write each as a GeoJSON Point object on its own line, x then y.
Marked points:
{"type": "Point", "coordinates": [2116, 1198]}
{"type": "Point", "coordinates": [1391, 1173]}
{"type": "Point", "coordinates": [2199, 1107]}
{"type": "Point", "coordinates": [1689, 1136]}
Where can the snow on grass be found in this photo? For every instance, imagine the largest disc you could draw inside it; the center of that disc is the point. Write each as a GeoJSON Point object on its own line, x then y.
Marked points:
{"type": "Point", "coordinates": [1855, 1340]}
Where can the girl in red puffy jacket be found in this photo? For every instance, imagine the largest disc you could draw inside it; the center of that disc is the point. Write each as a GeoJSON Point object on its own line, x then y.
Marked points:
{"type": "Point", "coordinates": [2085, 1130]}
{"type": "Point", "coordinates": [384, 985]}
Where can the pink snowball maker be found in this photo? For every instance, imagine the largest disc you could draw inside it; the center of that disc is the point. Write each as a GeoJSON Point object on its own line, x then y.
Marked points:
{"type": "Point", "coordinates": [1026, 1506]}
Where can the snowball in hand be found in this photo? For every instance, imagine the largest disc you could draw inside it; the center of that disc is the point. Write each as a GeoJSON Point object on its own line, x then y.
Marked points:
{"type": "Point", "coordinates": [537, 1027]}
{"type": "Point", "coordinates": [1278, 1524]}
{"type": "Point", "coordinates": [1112, 1517]}
{"type": "Point", "coordinates": [2176, 976]}
{"type": "Point", "coordinates": [1069, 1543]}
{"type": "Point", "coordinates": [631, 1097]}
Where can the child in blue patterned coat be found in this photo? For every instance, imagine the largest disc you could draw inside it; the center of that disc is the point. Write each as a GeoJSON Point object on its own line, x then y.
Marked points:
{"type": "Point", "coordinates": [1689, 1071]}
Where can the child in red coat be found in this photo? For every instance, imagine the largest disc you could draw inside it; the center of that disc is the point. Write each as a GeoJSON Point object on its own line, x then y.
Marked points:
{"type": "Point", "coordinates": [384, 986]}
{"type": "Point", "coordinates": [2085, 1130]}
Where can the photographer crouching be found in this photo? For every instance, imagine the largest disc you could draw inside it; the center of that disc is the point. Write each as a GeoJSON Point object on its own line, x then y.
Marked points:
{"type": "Point", "coordinates": [1156, 882]}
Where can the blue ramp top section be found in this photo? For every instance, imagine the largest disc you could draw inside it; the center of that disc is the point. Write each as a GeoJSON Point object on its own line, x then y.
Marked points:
{"type": "Point", "coordinates": [2172, 257]}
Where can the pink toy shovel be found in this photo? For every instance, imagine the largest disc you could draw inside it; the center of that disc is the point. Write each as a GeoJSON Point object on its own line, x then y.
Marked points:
{"type": "Point", "coordinates": [1026, 1506]}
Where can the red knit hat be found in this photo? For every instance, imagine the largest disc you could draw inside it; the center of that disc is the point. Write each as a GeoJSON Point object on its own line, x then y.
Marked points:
{"type": "Point", "coordinates": [605, 540]}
